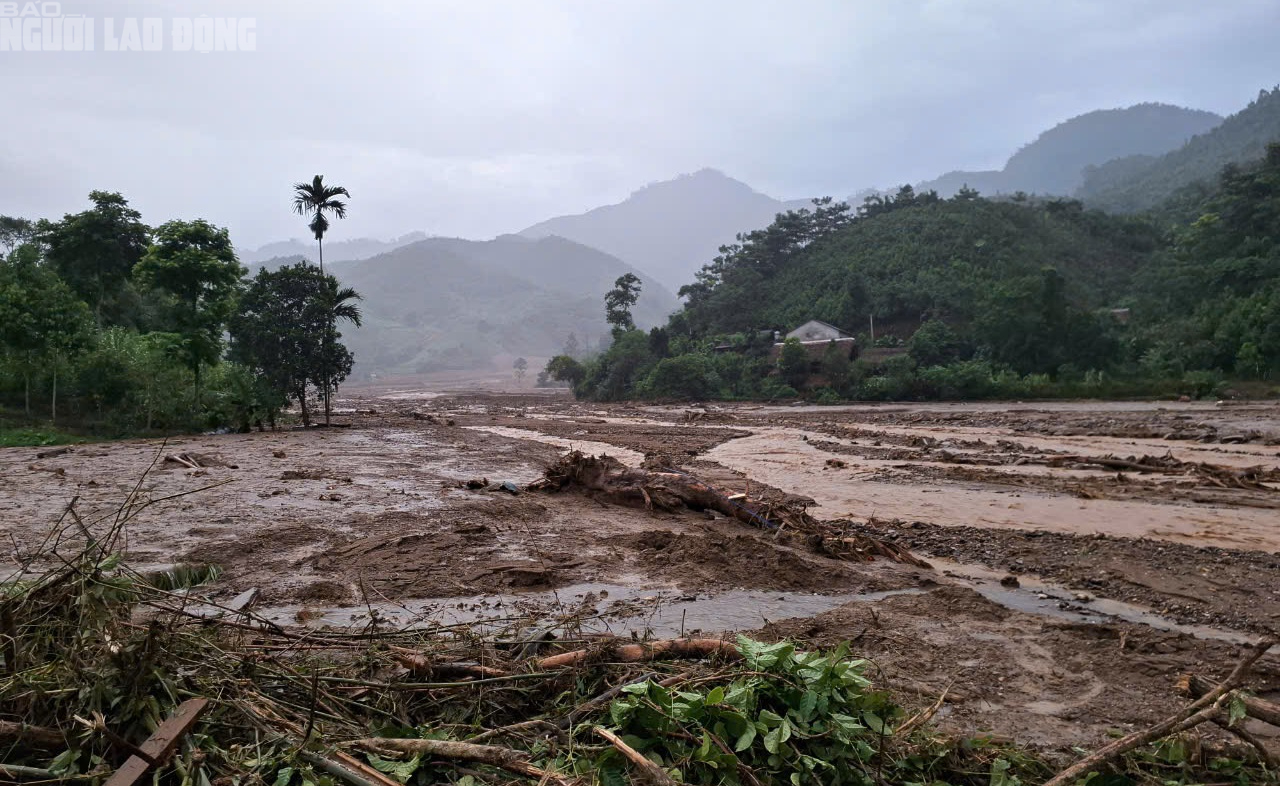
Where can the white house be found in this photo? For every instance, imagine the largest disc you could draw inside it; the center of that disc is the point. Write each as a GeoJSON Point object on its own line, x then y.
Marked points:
{"type": "Point", "coordinates": [817, 330]}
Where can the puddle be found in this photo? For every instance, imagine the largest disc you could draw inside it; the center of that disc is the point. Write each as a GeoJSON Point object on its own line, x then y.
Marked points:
{"type": "Point", "coordinates": [631, 458]}
{"type": "Point", "coordinates": [622, 609]}
{"type": "Point", "coordinates": [409, 395]}
{"type": "Point", "coordinates": [1047, 600]}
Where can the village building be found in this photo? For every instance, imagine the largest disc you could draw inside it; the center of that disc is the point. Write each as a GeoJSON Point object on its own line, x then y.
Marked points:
{"type": "Point", "coordinates": [818, 337]}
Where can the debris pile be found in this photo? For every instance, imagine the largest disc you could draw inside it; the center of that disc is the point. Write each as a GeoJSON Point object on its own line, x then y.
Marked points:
{"type": "Point", "coordinates": [111, 674]}
{"type": "Point", "coordinates": [671, 490]}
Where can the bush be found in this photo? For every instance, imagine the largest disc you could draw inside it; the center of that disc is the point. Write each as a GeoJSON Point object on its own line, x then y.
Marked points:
{"type": "Point", "coordinates": [793, 363]}
{"type": "Point", "coordinates": [827, 396]}
{"type": "Point", "coordinates": [1199, 384]}
{"type": "Point", "coordinates": [934, 343]}
{"type": "Point", "coordinates": [773, 387]}
{"type": "Point", "coordinates": [685, 376]}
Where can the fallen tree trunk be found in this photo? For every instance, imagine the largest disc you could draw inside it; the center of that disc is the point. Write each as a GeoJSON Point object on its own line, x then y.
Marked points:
{"type": "Point", "coordinates": [608, 480]}
{"type": "Point", "coordinates": [1196, 686]}
{"type": "Point", "coordinates": [638, 653]}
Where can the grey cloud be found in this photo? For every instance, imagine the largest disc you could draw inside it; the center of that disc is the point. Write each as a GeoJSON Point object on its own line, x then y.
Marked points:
{"type": "Point", "coordinates": [478, 118]}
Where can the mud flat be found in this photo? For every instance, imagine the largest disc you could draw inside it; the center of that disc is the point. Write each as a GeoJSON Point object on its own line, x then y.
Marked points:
{"type": "Point", "coordinates": [1085, 553]}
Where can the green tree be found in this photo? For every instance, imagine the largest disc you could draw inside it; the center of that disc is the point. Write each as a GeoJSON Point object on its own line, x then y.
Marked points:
{"type": "Point", "coordinates": [520, 366]}
{"type": "Point", "coordinates": [96, 251]}
{"type": "Point", "coordinates": [42, 322]}
{"type": "Point", "coordinates": [793, 363]}
{"type": "Point", "coordinates": [934, 343]}
{"type": "Point", "coordinates": [14, 232]}
{"type": "Point", "coordinates": [686, 376]}
{"type": "Point", "coordinates": [563, 368]}
{"type": "Point", "coordinates": [279, 327]}
{"type": "Point", "coordinates": [618, 302]}
{"type": "Point", "coordinates": [837, 368]}
{"type": "Point", "coordinates": [194, 262]}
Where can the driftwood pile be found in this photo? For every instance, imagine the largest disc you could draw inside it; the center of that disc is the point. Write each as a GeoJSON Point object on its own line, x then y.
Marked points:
{"type": "Point", "coordinates": [672, 490]}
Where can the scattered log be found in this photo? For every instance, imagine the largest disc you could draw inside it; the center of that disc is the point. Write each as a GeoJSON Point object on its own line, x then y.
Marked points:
{"type": "Point", "coordinates": [638, 653]}
{"type": "Point", "coordinates": [1205, 708]}
{"type": "Point", "coordinates": [361, 775]}
{"type": "Point", "coordinates": [670, 490]}
{"type": "Point", "coordinates": [160, 746]}
{"type": "Point", "coordinates": [1264, 755]}
{"type": "Point", "coordinates": [503, 758]}
{"type": "Point", "coordinates": [1268, 712]}
{"type": "Point", "coordinates": [184, 459]}
{"type": "Point", "coordinates": [39, 737]}
{"type": "Point", "coordinates": [44, 454]}
{"type": "Point", "coordinates": [652, 772]}
{"type": "Point", "coordinates": [419, 666]}
{"type": "Point", "coordinates": [17, 773]}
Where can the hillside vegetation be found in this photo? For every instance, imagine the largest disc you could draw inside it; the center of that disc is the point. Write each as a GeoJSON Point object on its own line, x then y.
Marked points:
{"type": "Point", "coordinates": [1138, 183]}
{"type": "Point", "coordinates": [985, 298]}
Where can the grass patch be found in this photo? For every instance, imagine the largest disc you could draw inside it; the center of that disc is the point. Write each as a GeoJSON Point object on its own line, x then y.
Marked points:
{"type": "Point", "coordinates": [32, 436]}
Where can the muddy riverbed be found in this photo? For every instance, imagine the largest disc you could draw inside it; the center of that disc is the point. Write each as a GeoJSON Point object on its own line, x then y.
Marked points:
{"type": "Point", "coordinates": [1084, 554]}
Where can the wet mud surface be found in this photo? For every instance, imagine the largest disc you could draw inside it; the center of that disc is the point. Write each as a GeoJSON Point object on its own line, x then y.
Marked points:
{"type": "Point", "coordinates": [1135, 541]}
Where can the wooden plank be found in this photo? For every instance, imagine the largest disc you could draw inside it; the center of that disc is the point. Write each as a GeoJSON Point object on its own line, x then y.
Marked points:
{"type": "Point", "coordinates": [160, 746]}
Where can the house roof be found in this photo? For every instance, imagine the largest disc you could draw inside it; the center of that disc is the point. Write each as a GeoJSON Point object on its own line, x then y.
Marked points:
{"type": "Point", "coordinates": [824, 324]}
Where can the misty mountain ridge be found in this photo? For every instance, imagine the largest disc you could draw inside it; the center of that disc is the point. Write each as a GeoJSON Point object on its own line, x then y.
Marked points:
{"type": "Point", "coordinates": [1055, 161]}
{"type": "Point", "coordinates": [449, 303]}
{"type": "Point", "coordinates": [334, 251]}
{"type": "Point", "coordinates": [671, 228]}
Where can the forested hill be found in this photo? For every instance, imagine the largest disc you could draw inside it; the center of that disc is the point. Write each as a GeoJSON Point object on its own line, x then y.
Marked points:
{"type": "Point", "coordinates": [1143, 182]}
{"type": "Point", "coordinates": [978, 298]}
{"type": "Point", "coordinates": [1053, 163]}
{"type": "Point", "coordinates": [975, 263]}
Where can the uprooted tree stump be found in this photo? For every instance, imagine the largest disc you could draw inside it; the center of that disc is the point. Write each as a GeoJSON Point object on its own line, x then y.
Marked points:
{"type": "Point", "coordinates": [672, 490]}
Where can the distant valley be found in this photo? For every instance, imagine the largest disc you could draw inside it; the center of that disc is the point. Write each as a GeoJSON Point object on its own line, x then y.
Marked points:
{"type": "Point", "coordinates": [447, 303]}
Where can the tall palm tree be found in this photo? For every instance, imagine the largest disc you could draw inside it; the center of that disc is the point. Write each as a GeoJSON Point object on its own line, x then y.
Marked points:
{"type": "Point", "coordinates": [316, 199]}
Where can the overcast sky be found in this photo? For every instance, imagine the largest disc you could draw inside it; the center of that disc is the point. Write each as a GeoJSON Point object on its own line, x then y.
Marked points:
{"type": "Point", "coordinates": [477, 117]}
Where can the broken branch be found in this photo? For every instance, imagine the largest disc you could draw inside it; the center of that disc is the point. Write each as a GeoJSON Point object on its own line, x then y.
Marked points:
{"type": "Point", "coordinates": [651, 771]}
{"type": "Point", "coordinates": [654, 650]}
{"type": "Point", "coordinates": [1202, 709]}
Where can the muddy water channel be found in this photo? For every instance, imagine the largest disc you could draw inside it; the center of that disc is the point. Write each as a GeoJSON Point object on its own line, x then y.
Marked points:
{"type": "Point", "coordinates": [890, 489]}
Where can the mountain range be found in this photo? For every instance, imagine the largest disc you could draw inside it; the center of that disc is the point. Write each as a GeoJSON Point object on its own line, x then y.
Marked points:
{"type": "Point", "coordinates": [447, 303]}
{"type": "Point", "coordinates": [437, 303]}
{"type": "Point", "coordinates": [1055, 161]}
{"type": "Point", "coordinates": [334, 251]}
{"type": "Point", "coordinates": [672, 228]}
{"type": "Point", "coordinates": [1142, 182]}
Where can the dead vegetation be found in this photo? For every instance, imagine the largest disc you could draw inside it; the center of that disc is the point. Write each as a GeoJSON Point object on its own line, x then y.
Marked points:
{"type": "Point", "coordinates": [671, 490]}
